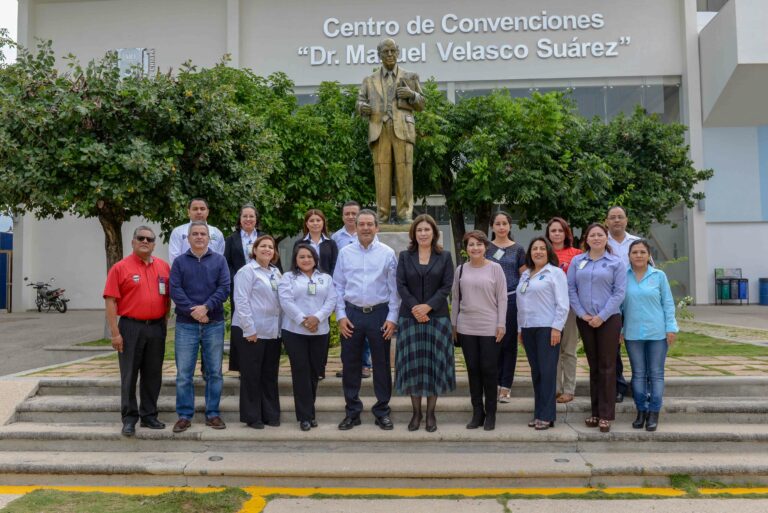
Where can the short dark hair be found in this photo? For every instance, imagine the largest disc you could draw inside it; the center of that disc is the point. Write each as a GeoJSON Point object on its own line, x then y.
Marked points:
{"type": "Point", "coordinates": [350, 203]}
{"type": "Point", "coordinates": [608, 212]}
{"type": "Point", "coordinates": [645, 243]}
{"type": "Point", "coordinates": [367, 212]}
{"type": "Point", "coordinates": [258, 241]}
{"type": "Point", "coordinates": [315, 212]}
{"type": "Point", "coordinates": [247, 205]}
{"type": "Point", "coordinates": [424, 218]}
{"type": "Point", "coordinates": [509, 221]}
{"type": "Point", "coordinates": [189, 205]}
{"type": "Point", "coordinates": [198, 223]}
{"type": "Point", "coordinates": [296, 249]}
{"type": "Point", "coordinates": [475, 234]}
{"type": "Point", "coordinates": [143, 228]}
{"type": "Point", "coordinates": [551, 256]}
{"type": "Point", "coordinates": [568, 242]}
{"type": "Point", "coordinates": [585, 235]}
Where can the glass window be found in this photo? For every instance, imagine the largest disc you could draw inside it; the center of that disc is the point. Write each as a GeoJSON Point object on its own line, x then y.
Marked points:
{"type": "Point", "coordinates": [306, 99]}
{"type": "Point", "coordinates": [590, 101]}
{"type": "Point", "coordinates": [622, 99]}
{"type": "Point", "coordinates": [671, 104]}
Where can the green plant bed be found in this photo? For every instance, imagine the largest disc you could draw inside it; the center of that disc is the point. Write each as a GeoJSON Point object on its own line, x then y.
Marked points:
{"type": "Point", "coordinates": [693, 344]}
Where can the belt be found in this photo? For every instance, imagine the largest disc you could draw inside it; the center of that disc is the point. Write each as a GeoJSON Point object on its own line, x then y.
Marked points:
{"type": "Point", "coordinates": [366, 309]}
{"type": "Point", "coordinates": [145, 321]}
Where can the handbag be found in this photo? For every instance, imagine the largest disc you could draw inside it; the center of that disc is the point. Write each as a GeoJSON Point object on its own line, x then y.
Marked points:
{"type": "Point", "coordinates": [457, 341]}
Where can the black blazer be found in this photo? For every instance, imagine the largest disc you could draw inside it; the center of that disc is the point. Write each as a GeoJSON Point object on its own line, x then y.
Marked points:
{"type": "Point", "coordinates": [329, 252]}
{"type": "Point", "coordinates": [431, 287]}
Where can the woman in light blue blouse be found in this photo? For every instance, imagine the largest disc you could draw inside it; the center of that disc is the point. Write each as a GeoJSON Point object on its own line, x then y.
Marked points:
{"type": "Point", "coordinates": [597, 281]}
{"type": "Point", "coordinates": [307, 298]}
{"type": "Point", "coordinates": [649, 330]}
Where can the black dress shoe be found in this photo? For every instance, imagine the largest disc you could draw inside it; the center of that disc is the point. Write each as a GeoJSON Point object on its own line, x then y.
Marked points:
{"type": "Point", "coordinates": [639, 421]}
{"type": "Point", "coordinates": [313, 423]}
{"type": "Point", "coordinates": [478, 418]}
{"type": "Point", "coordinates": [304, 425]}
{"type": "Point", "coordinates": [273, 423]}
{"type": "Point", "coordinates": [490, 422]}
{"type": "Point", "coordinates": [152, 423]}
{"type": "Point", "coordinates": [129, 428]}
{"type": "Point", "coordinates": [349, 423]}
{"type": "Point", "coordinates": [384, 422]}
{"type": "Point", "coordinates": [256, 425]}
{"type": "Point", "coordinates": [619, 397]}
{"type": "Point", "coordinates": [415, 422]}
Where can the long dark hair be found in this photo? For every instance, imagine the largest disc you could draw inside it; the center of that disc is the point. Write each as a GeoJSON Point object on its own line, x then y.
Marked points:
{"type": "Point", "coordinates": [299, 247]}
{"type": "Point", "coordinates": [551, 256]}
{"type": "Point", "coordinates": [424, 218]}
{"type": "Point", "coordinates": [509, 221]}
{"type": "Point", "coordinates": [568, 242]}
{"type": "Point", "coordinates": [585, 235]}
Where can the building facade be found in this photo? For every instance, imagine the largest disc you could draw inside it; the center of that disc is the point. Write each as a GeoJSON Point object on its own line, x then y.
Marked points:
{"type": "Point", "coordinates": [704, 69]}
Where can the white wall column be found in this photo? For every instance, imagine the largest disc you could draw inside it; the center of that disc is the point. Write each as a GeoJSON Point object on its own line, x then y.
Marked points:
{"type": "Point", "coordinates": [233, 32]}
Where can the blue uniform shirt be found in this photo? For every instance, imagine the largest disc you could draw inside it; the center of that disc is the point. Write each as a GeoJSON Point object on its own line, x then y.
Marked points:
{"type": "Point", "coordinates": [597, 287]}
{"type": "Point", "coordinates": [649, 310]}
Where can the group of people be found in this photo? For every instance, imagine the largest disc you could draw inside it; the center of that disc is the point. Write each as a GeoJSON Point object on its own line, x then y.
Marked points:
{"type": "Point", "coordinates": [542, 298]}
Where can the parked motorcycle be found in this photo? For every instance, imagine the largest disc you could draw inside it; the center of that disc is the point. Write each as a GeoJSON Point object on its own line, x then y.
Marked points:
{"type": "Point", "coordinates": [48, 298]}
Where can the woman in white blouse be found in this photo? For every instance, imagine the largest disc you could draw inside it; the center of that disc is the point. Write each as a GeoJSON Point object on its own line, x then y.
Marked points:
{"type": "Point", "coordinates": [257, 313]}
{"type": "Point", "coordinates": [307, 298]}
{"type": "Point", "coordinates": [542, 309]}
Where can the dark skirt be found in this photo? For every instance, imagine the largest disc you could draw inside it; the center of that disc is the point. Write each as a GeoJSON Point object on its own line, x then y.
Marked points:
{"type": "Point", "coordinates": [424, 361]}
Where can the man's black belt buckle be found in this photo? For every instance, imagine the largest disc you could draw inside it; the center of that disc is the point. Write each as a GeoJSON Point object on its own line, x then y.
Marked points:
{"type": "Point", "coordinates": [145, 321]}
{"type": "Point", "coordinates": [367, 309]}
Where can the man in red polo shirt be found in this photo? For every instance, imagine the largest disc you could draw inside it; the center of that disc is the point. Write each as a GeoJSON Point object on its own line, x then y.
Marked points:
{"type": "Point", "coordinates": [137, 291]}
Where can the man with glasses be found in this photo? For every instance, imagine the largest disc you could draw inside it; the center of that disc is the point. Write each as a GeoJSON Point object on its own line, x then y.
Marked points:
{"type": "Point", "coordinates": [199, 287]}
{"type": "Point", "coordinates": [619, 241]}
{"type": "Point", "coordinates": [137, 290]}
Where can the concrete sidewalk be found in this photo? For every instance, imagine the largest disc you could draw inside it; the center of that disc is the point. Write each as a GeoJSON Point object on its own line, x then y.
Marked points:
{"type": "Point", "coordinates": [745, 316]}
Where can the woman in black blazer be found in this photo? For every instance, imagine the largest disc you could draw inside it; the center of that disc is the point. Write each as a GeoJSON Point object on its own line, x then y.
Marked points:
{"type": "Point", "coordinates": [316, 235]}
{"type": "Point", "coordinates": [237, 251]}
{"type": "Point", "coordinates": [424, 362]}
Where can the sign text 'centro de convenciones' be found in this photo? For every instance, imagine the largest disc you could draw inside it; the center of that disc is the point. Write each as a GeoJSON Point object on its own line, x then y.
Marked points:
{"type": "Point", "coordinates": [582, 41]}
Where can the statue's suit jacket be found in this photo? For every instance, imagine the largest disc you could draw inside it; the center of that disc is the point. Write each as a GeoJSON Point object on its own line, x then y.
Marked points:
{"type": "Point", "coordinates": [373, 93]}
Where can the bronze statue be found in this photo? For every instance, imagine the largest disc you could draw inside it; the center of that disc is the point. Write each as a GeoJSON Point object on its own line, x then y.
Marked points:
{"type": "Point", "coordinates": [388, 98]}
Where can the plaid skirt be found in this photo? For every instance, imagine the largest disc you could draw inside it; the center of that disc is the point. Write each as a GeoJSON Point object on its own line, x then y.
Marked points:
{"type": "Point", "coordinates": [424, 362]}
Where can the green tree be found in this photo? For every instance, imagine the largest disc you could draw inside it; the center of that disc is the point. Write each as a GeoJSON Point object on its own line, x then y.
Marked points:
{"type": "Point", "coordinates": [90, 143]}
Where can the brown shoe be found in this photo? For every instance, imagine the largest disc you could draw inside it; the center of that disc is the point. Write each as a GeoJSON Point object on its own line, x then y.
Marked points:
{"type": "Point", "coordinates": [365, 373]}
{"type": "Point", "coordinates": [181, 425]}
{"type": "Point", "coordinates": [215, 423]}
{"type": "Point", "coordinates": [565, 398]}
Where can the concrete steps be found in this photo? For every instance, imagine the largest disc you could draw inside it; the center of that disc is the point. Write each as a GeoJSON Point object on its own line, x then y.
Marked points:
{"type": "Point", "coordinates": [69, 431]}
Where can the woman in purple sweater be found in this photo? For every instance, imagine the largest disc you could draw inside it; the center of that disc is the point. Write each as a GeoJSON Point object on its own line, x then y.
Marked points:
{"type": "Point", "coordinates": [478, 317]}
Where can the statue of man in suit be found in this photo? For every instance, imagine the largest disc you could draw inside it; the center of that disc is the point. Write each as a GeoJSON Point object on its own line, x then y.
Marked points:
{"type": "Point", "coordinates": [388, 98]}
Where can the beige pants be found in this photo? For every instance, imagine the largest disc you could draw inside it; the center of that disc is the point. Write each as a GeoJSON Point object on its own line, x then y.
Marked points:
{"type": "Point", "coordinates": [388, 149]}
{"type": "Point", "coordinates": [566, 366]}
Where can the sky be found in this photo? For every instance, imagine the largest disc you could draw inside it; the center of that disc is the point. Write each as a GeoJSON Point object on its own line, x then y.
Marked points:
{"type": "Point", "coordinates": [8, 10]}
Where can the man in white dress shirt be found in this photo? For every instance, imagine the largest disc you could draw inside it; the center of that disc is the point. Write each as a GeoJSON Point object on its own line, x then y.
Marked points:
{"type": "Point", "coordinates": [366, 307]}
{"type": "Point", "coordinates": [178, 244]}
{"type": "Point", "coordinates": [619, 241]}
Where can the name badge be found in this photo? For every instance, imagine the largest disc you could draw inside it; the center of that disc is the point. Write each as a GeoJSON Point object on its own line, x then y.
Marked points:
{"type": "Point", "coordinates": [582, 264]}
{"type": "Point", "coordinates": [499, 253]}
{"type": "Point", "coordinates": [161, 287]}
{"type": "Point", "coordinates": [273, 282]}
{"type": "Point", "coordinates": [524, 287]}
{"type": "Point", "coordinates": [311, 288]}
{"type": "Point", "coordinates": [249, 249]}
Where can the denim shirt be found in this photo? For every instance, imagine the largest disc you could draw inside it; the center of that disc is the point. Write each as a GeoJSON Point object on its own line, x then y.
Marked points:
{"type": "Point", "coordinates": [597, 287]}
{"type": "Point", "coordinates": [649, 310]}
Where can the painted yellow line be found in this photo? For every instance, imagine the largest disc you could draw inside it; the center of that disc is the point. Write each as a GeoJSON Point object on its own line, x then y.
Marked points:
{"type": "Point", "coordinates": [467, 492]}
{"type": "Point", "coordinates": [733, 491]}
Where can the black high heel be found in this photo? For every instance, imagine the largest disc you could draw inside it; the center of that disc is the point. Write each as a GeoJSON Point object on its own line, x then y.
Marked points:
{"type": "Point", "coordinates": [642, 417]}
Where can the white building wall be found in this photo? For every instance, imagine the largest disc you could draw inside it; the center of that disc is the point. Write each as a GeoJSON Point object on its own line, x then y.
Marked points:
{"type": "Point", "coordinates": [741, 245]}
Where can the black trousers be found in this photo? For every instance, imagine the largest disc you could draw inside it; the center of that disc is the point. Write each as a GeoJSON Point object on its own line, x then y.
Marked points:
{"type": "Point", "coordinates": [600, 346]}
{"type": "Point", "coordinates": [236, 341]}
{"type": "Point", "coordinates": [481, 355]}
{"type": "Point", "coordinates": [366, 325]}
{"type": "Point", "coordinates": [142, 360]}
{"type": "Point", "coordinates": [543, 357]}
{"type": "Point", "coordinates": [508, 352]}
{"type": "Point", "coordinates": [306, 353]}
{"type": "Point", "coordinates": [259, 395]}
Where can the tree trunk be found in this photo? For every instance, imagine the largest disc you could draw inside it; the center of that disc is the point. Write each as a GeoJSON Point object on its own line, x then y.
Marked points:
{"type": "Point", "coordinates": [456, 214]}
{"type": "Point", "coordinates": [113, 238]}
{"type": "Point", "coordinates": [483, 217]}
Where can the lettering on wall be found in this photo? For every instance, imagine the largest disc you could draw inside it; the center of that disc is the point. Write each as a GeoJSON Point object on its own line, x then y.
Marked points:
{"type": "Point", "coordinates": [568, 36]}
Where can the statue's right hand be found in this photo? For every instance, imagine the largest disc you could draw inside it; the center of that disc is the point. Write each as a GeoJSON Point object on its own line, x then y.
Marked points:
{"type": "Point", "coordinates": [365, 109]}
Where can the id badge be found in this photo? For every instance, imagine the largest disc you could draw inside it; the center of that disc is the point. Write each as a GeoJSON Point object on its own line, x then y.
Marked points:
{"type": "Point", "coordinates": [249, 250]}
{"type": "Point", "coordinates": [312, 289]}
{"type": "Point", "coordinates": [524, 287]}
{"type": "Point", "coordinates": [161, 286]}
{"type": "Point", "coordinates": [499, 253]}
{"type": "Point", "coordinates": [582, 264]}
{"type": "Point", "coordinates": [273, 282]}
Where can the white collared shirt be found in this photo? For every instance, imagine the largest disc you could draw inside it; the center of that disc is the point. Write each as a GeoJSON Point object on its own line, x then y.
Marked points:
{"type": "Point", "coordinates": [542, 301]}
{"type": "Point", "coordinates": [298, 303]}
{"type": "Point", "coordinates": [621, 249]}
{"type": "Point", "coordinates": [315, 245]}
{"type": "Point", "coordinates": [179, 241]}
{"type": "Point", "coordinates": [366, 277]}
{"type": "Point", "coordinates": [257, 307]}
{"type": "Point", "coordinates": [343, 238]}
{"type": "Point", "coordinates": [248, 241]}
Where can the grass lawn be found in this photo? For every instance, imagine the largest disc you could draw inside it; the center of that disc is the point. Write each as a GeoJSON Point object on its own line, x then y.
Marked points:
{"type": "Point", "coordinates": [692, 344]}
{"type": "Point", "coordinates": [227, 501]}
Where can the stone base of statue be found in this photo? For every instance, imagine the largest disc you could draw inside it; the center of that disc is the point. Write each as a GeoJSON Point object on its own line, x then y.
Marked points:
{"type": "Point", "coordinates": [395, 236]}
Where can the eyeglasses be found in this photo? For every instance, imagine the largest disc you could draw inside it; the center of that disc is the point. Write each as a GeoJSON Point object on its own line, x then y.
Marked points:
{"type": "Point", "coordinates": [144, 238]}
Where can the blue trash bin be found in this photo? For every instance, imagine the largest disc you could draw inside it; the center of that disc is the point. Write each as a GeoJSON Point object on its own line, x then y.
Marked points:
{"type": "Point", "coordinates": [764, 291]}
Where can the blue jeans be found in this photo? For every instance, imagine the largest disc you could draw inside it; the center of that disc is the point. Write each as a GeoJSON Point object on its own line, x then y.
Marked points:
{"type": "Point", "coordinates": [367, 355]}
{"type": "Point", "coordinates": [189, 337]}
{"type": "Point", "coordinates": [647, 359]}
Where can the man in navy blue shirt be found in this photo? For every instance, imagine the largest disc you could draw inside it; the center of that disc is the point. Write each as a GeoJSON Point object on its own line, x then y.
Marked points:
{"type": "Point", "coordinates": [199, 287]}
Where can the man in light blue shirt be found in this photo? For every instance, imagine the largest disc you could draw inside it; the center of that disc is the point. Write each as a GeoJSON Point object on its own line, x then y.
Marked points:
{"type": "Point", "coordinates": [179, 243]}
{"type": "Point", "coordinates": [619, 241]}
{"type": "Point", "coordinates": [366, 307]}
{"type": "Point", "coordinates": [345, 236]}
